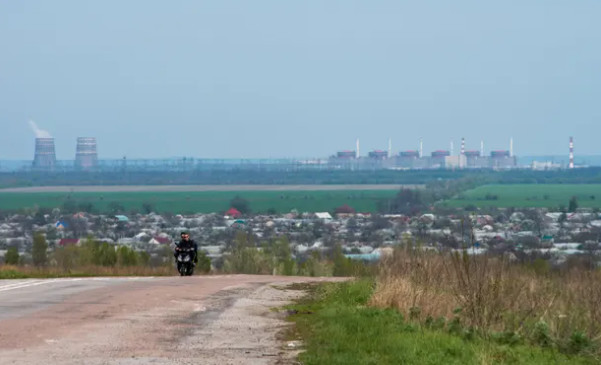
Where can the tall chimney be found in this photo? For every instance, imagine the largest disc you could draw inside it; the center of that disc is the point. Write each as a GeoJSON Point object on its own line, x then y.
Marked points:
{"type": "Point", "coordinates": [45, 155]}
{"type": "Point", "coordinates": [482, 148]}
{"type": "Point", "coordinates": [357, 154]}
{"type": "Point", "coordinates": [86, 155]}
{"type": "Point", "coordinates": [511, 147]}
{"type": "Point", "coordinates": [462, 146]}
{"type": "Point", "coordinates": [571, 165]}
{"type": "Point", "coordinates": [421, 147]}
{"type": "Point", "coordinates": [389, 147]}
{"type": "Point", "coordinates": [452, 148]}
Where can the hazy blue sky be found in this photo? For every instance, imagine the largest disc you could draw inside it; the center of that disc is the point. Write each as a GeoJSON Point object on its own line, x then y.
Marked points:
{"type": "Point", "coordinates": [299, 78]}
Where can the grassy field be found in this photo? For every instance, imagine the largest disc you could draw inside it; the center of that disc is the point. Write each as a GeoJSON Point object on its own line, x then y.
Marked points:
{"type": "Point", "coordinates": [529, 195]}
{"type": "Point", "coordinates": [203, 201]}
{"type": "Point", "coordinates": [337, 327]}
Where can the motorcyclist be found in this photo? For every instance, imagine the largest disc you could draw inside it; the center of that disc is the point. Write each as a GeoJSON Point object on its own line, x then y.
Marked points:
{"type": "Point", "coordinates": [187, 243]}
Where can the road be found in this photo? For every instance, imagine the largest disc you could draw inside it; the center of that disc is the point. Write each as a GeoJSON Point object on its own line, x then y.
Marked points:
{"type": "Point", "coordinates": [226, 319]}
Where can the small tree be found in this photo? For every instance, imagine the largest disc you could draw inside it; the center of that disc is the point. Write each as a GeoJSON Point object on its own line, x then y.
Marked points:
{"type": "Point", "coordinates": [283, 256]}
{"type": "Point", "coordinates": [342, 265]}
{"type": "Point", "coordinates": [204, 263]}
{"type": "Point", "coordinates": [107, 255]}
{"type": "Point", "coordinates": [40, 246]}
{"type": "Point", "coordinates": [12, 256]}
{"type": "Point", "coordinates": [116, 208]}
{"type": "Point", "coordinates": [573, 205]}
{"type": "Point", "coordinates": [126, 256]}
{"type": "Point", "coordinates": [143, 258]}
{"type": "Point", "coordinates": [147, 207]}
{"type": "Point", "coordinates": [87, 207]}
{"type": "Point", "coordinates": [240, 204]}
{"type": "Point", "coordinates": [66, 257]}
{"type": "Point", "coordinates": [69, 206]}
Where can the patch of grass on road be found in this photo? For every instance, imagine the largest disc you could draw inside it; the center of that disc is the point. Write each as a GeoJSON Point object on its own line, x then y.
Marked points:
{"type": "Point", "coordinates": [338, 327]}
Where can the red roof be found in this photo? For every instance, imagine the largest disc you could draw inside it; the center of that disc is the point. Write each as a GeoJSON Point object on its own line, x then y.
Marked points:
{"type": "Point", "coordinates": [68, 242]}
{"type": "Point", "coordinates": [345, 209]}
{"type": "Point", "coordinates": [162, 240]}
{"type": "Point", "coordinates": [233, 212]}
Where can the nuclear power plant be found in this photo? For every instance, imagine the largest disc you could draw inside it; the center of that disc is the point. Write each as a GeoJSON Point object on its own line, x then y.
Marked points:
{"type": "Point", "coordinates": [45, 154]}
{"type": "Point", "coordinates": [438, 159]}
{"type": "Point", "coordinates": [86, 159]}
{"type": "Point", "coordinates": [44, 159]}
{"type": "Point", "coordinates": [86, 155]}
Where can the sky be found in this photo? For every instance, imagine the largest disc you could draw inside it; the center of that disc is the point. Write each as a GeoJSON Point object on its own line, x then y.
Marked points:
{"type": "Point", "coordinates": [278, 79]}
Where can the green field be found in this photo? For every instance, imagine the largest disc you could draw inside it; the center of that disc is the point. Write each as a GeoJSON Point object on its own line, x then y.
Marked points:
{"type": "Point", "coordinates": [202, 201]}
{"type": "Point", "coordinates": [529, 195]}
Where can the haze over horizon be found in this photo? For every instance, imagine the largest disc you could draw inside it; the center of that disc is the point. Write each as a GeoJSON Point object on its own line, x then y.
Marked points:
{"type": "Point", "coordinates": [231, 79]}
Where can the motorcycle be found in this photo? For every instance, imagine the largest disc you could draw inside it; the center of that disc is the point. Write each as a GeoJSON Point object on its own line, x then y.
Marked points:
{"type": "Point", "coordinates": [185, 261]}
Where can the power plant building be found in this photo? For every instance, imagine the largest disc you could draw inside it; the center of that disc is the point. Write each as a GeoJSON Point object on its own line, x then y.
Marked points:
{"type": "Point", "coordinates": [378, 155]}
{"type": "Point", "coordinates": [455, 162]}
{"type": "Point", "coordinates": [346, 154]}
{"type": "Point", "coordinates": [407, 159]}
{"type": "Point", "coordinates": [475, 160]}
{"type": "Point", "coordinates": [437, 158]}
{"type": "Point", "coordinates": [44, 155]}
{"type": "Point", "coordinates": [86, 155]}
{"type": "Point", "coordinates": [502, 159]}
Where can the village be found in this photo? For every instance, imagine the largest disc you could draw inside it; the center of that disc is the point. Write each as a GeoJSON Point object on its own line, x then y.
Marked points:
{"type": "Point", "coordinates": [520, 234]}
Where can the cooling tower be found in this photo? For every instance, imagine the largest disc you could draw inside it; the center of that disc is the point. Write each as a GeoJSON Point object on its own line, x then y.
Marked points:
{"type": "Point", "coordinates": [86, 156]}
{"type": "Point", "coordinates": [45, 155]}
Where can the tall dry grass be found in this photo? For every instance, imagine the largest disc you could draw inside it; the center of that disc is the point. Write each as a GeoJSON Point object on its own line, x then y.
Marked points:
{"type": "Point", "coordinates": [492, 295]}
{"type": "Point", "coordinates": [411, 282]}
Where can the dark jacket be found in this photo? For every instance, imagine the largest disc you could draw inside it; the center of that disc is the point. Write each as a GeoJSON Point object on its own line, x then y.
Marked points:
{"type": "Point", "coordinates": [187, 244]}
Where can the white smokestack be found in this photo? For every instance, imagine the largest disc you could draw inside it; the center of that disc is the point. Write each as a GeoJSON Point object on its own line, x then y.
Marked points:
{"type": "Point", "coordinates": [462, 146]}
{"type": "Point", "coordinates": [511, 147]}
{"type": "Point", "coordinates": [452, 147]}
{"type": "Point", "coordinates": [389, 147]}
{"type": "Point", "coordinates": [421, 147]}
{"type": "Point", "coordinates": [482, 148]}
{"type": "Point", "coordinates": [571, 163]}
{"type": "Point", "coordinates": [357, 154]}
{"type": "Point", "coordinates": [39, 133]}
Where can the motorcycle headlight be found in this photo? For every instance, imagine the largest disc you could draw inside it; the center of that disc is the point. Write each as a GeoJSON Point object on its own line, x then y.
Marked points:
{"type": "Point", "coordinates": [187, 258]}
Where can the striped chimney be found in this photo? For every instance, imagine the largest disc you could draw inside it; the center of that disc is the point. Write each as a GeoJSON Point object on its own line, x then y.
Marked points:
{"type": "Point", "coordinates": [571, 166]}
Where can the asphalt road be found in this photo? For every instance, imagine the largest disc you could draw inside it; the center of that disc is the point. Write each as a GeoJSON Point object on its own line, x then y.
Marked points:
{"type": "Point", "coordinates": [171, 320]}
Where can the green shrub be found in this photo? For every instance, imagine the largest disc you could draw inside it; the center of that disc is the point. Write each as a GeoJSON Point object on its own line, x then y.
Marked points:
{"type": "Point", "coordinates": [541, 335]}
{"type": "Point", "coordinates": [204, 263]}
{"type": "Point", "coordinates": [12, 256]}
{"type": "Point", "coordinates": [577, 343]}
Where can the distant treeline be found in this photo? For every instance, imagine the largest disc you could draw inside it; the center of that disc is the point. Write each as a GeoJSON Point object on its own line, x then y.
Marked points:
{"type": "Point", "coordinates": [237, 177]}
